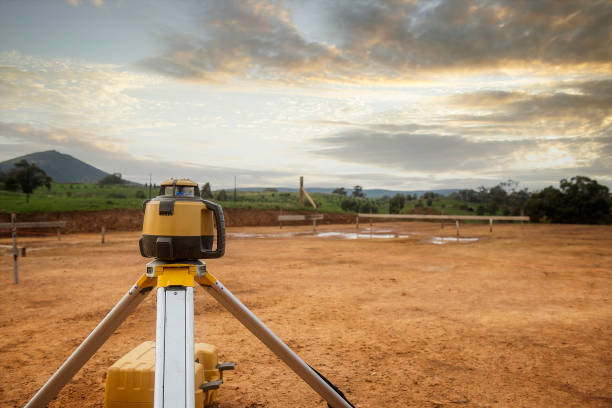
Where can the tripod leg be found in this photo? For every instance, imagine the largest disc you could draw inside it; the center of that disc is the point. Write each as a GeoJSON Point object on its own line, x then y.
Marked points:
{"type": "Point", "coordinates": [89, 346]}
{"type": "Point", "coordinates": [174, 351]}
{"type": "Point", "coordinates": [273, 342]}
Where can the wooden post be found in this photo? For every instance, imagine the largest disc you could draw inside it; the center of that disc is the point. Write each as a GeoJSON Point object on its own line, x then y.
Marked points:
{"type": "Point", "coordinates": [357, 222]}
{"type": "Point", "coordinates": [15, 251]}
{"type": "Point", "coordinates": [314, 225]}
{"type": "Point", "coordinates": [490, 224]}
{"type": "Point", "coordinates": [103, 232]}
{"type": "Point", "coordinates": [302, 190]}
{"type": "Point", "coordinates": [457, 225]}
{"type": "Point", "coordinates": [23, 252]}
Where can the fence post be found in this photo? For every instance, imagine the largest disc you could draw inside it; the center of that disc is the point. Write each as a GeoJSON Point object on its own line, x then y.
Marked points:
{"type": "Point", "coordinates": [15, 250]}
{"type": "Point", "coordinates": [357, 222]}
{"type": "Point", "coordinates": [457, 224]}
{"type": "Point", "coordinates": [490, 224]}
{"type": "Point", "coordinates": [314, 225]}
{"type": "Point", "coordinates": [103, 232]}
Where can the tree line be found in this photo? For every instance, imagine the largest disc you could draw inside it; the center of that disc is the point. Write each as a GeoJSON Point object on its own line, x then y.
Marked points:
{"type": "Point", "coordinates": [579, 200]}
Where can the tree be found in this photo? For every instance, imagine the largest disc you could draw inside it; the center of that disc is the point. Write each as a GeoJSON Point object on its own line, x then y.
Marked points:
{"type": "Point", "coordinates": [498, 194]}
{"type": "Point", "coordinates": [580, 200]}
{"type": "Point", "coordinates": [585, 201]}
{"type": "Point", "coordinates": [205, 191]}
{"type": "Point", "coordinates": [358, 192]}
{"type": "Point", "coordinates": [543, 206]}
{"type": "Point", "coordinates": [221, 195]}
{"type": "Point", "coordinates": [396, 204]}
{"type": "Point", "coordinates": [430, 195]}
{"type": "Point", "coordinates": [367, 206]}
{"type": "Point", "coordinates": [112, 179]}
{"type": "Point", "coordinates": [350, 204]}
{"type": "Point", "coordinates": [340, 190]}
{"type": "Point", "coordinates": [28, 176]}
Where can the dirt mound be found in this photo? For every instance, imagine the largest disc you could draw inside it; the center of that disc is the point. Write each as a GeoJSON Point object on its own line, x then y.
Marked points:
{"type": "Point", "coordinates": [131, 219]}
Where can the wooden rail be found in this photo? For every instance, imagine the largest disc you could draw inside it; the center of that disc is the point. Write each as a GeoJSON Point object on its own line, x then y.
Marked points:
{"type": "Point", "coordinates": [33, 224]}
{"type": "Point", "coordinates": [441, 218]}
{"type": "Point", "coordinates": [13, 226]}
{"type": "Point", "coordinates": [301, 217]}
{"type": "Point", "coordinates": [448, 217]}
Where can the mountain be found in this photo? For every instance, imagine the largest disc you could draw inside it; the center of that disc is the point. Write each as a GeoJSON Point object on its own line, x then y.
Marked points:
{"type": "Point", "coordinates": [63, 168]}
{"type": "Point", "coordinates": [371, 193]}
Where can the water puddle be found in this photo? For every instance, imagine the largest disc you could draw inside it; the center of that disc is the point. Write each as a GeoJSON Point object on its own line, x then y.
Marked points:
{"type": "Point", "coordinates": [446, 240]}
{"type": "Point", "coordinates": [356, 235]}
{"type": "Point", "coordinates": [261, 235]}
{"type": "Point", "coordinates": [324, 234]}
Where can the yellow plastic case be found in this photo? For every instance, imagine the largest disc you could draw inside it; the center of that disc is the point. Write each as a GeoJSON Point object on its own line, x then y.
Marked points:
{"type": "Point", "coordinates": [130, 382]}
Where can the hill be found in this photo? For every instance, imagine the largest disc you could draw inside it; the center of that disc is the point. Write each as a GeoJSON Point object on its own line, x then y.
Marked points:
{"type": "Point", "coordinates": [63, 168]}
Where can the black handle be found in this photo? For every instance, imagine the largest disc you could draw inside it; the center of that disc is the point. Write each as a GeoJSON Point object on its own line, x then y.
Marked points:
{"type": "Point", "coordinates": [220, 224]}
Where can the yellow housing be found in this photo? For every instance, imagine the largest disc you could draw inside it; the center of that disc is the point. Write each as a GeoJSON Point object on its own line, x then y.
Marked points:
{"type": "Point", "coordinates": [190, 218]}
{"type": "Point", "coordinates": [130, 382]}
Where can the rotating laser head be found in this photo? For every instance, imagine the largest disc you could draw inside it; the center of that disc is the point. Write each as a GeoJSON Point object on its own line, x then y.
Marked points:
{"type": "Point", "coordinates": [178, 224]}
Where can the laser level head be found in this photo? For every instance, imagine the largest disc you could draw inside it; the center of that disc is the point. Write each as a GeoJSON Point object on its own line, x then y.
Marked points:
{"type": "Point", "coordinates": [178, 224]}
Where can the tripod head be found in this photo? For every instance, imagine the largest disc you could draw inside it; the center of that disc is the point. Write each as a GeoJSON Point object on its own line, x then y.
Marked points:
{"type": "Point", "coordinates": [178, 224]}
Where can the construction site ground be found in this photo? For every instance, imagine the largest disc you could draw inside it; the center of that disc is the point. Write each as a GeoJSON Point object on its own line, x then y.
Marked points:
{"type": "Point", "coordinates": [406, 317]}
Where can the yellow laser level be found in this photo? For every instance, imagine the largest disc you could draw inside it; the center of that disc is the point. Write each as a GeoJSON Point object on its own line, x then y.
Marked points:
{"type": "Point", "coordinates": [178, 224]}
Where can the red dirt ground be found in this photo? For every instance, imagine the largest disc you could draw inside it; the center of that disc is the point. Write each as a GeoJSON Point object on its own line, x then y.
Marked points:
{"type": "Point", "coordinates": [522, 317]}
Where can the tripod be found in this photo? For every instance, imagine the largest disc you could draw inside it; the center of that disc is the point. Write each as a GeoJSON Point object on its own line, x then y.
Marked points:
{"type": "Point", "coordinates": [174, 358]}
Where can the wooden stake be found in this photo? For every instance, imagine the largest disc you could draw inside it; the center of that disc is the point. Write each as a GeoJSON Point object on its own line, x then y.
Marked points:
{"type": "Point", "coordinates": [103, 232]}
{"type": "Point", "coordinates": [302, 190]}
{"type": "Point", "coordinates": [457, 224]}
{"type": "Point", "coordinates": [15, 250]}
{"type": "Point", "coordinates": [357, 222]}
{"type": "Point", "coordinates": [491, 224]}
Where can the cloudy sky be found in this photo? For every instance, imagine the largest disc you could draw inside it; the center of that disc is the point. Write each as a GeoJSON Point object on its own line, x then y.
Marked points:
{"type": "Point", "coordinates": [386, 94]}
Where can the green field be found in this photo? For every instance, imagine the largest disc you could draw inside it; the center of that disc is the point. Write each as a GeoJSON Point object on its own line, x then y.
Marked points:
{"type": "Point", "coordinates": [63, 197]}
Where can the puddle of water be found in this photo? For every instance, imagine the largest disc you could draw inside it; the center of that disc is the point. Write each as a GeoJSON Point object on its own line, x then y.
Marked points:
{"type": "Point", "coordinates": [325, 234]}
{"type": "Point", "coordinates": [446, 240]}
{"type": "Point", "coordinates": [354, 235]}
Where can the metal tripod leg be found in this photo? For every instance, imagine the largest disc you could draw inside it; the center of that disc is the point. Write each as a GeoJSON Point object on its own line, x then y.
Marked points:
{"type": "Point", "coordinates": [275, 344]}
{"type": "Point", "coordinates": [174, 351]}
{"type": "Point", "coordinates": [89, 346]}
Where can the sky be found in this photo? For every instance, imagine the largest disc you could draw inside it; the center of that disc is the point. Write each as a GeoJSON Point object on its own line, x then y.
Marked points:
{"type": "Point", "coordinates": [405, 95]}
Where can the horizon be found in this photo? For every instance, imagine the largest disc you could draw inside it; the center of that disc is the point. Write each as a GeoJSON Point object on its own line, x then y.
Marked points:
{"type": "Point", "coordinates": [411, 96]}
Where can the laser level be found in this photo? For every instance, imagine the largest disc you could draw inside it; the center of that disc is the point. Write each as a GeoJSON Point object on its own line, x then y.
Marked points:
{"type": "Point", "coordinates": [178, 231]}
{"type": "Point", "coordinates": [178, 224]}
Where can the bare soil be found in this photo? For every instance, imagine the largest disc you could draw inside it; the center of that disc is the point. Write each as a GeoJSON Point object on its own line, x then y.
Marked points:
{"type": "Point", "coordinates": [520, 318]}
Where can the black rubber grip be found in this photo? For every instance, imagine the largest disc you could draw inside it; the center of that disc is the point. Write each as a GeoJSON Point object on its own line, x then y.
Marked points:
{"type": "Point", "coordinates": [220, 225]}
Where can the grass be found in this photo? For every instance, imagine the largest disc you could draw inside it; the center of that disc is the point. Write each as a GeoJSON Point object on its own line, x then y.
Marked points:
{"type": "Point", "coordinates": [62, 197]}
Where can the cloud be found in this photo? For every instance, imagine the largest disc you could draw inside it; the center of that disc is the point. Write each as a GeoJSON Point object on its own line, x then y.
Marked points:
{"type": "Point", "coordinates": [246, 39]}
{"type": "Point", "coordinates": [557, 129]}
{"type": "Point", "coordinates": [437, 156]}
{"type": "Point", "coordinates": [67, 91]}
{"type": "Point", "coordinates": [96, 3]}
{"type": "Point", "coordinates": [109, 155]}
{"type": "Point", "coordinates": [570, 109]}
{"type": "Point", "coordinates": [385, 39]}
